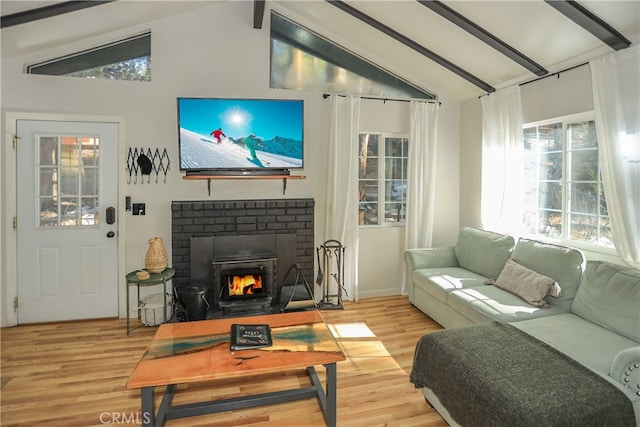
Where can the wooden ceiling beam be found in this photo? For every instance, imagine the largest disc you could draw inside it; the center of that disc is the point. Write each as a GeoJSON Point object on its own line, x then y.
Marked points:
{"type": "Point", "coordinates": [412, 44]}
{"type": "Point", "coordinates": [482, 34]}
{"type": "Point", "coordinates": [590, 22]}
{"type": "Point", "coordinates": [47, 12]}
{"type": "Point", "coordinates": [258, 13]}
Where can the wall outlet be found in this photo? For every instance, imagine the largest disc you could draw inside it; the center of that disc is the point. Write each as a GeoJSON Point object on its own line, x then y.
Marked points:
{"type": "Point", "coordinates": [139, 208]}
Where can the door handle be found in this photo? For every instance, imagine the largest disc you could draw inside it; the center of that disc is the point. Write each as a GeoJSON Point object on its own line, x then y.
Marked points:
{"type": "Point", "coordinates": [111, 215]}
{"type": "Point", "coordinates": [111, 234]}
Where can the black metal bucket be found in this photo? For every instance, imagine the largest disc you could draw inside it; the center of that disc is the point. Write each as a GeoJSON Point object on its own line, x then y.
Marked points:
{"type": "Point", "coordinates": [192, 303]}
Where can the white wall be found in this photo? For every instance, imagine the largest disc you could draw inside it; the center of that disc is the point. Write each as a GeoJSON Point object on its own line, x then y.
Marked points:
{"type": "Point", "coordinates": [215, 52]}
{"type": "Point", "coordinates": [570, 93]}
{"type": "Point", "coordinates": [470, 163]}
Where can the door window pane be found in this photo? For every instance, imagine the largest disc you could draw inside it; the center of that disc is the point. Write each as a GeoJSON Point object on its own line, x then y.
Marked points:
{"type": "Point", "coordinates": [48, 151]}
{"type": "Point", "coordinates": [68, 211]}
{"type": "Point", "coordinates": [48, 181]}
{"type": "Point", "coordinates": [68, 185]}
{"type": "Point", "coordinates": [90, 181]}
{"type": "Point", "coordinates": [90, 211]}
{"type": "Point", "coordinates": [90, 152]}
{"type": "Point", "coordinates": [69, 181]}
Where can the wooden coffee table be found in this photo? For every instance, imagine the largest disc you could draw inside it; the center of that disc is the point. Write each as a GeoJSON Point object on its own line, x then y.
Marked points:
{"type": "Point", "coordinates": [199, 351]}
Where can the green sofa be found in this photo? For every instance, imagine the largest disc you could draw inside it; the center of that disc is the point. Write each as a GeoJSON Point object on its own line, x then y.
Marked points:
{"type": "Point", "coordinates": [595, 320]}
{"type": "Point", "coordinates": [449, 283]}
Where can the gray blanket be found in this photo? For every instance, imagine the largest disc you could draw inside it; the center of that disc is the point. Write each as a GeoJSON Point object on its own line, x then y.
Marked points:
{"type": "Point", "coordinates": [493, 374]}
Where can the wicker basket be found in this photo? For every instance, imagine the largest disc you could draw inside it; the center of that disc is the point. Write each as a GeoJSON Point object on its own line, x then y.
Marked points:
{"type": "Point", "coordinates": [151, 310]}
{"type": "Point", "coordinates": [155, 261]}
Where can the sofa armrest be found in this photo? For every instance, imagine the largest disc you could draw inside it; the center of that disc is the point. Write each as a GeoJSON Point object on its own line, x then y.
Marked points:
{"type": "Point", "coordinates": [417, 259]}
{"type": "Point", "coordinates": [625, 369]}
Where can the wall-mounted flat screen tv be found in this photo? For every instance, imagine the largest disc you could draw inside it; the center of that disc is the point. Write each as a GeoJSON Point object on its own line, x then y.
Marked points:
{"type": "Point", "coordinates": [240, 136]}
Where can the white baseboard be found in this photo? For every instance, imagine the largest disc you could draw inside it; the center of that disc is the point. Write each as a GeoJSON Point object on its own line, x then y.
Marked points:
{"type": "Point", "coordinates": [379, 293]}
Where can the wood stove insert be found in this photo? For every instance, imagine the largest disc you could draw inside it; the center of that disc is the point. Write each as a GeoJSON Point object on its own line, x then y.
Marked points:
{"type": "Point", "coordinates": [244, 286]}
{"type": "Point", "coordinates": [214, 258]}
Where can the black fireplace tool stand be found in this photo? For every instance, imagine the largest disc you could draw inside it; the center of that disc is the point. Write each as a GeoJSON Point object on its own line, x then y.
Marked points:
{"type": "Point", "coordinates": [332, 268]}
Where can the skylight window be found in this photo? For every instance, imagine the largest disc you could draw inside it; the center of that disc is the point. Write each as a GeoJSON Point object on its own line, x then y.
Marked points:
{"type": "Point", "coordinates": [127, 59]}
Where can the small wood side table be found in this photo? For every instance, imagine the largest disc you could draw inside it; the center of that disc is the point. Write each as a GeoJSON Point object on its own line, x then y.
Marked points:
{"type": "Point", "coordinates": [154, 279]}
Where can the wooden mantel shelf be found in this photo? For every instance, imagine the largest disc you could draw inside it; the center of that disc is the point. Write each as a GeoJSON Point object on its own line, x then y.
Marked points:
{"type": "Point", "coordinates": [284, 178]}
{"type": "Point", "coordinates": [244, 177]}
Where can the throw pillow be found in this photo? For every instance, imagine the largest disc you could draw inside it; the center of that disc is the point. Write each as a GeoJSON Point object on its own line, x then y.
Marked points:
{"type": "Point", "coordinates": [529, 285]}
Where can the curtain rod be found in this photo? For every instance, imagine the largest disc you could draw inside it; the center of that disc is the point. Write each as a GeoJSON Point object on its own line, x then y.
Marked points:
{"type": "Point", "coordinates": [557, 74]}
{"type": "Point", "coordinates": [326, 95]}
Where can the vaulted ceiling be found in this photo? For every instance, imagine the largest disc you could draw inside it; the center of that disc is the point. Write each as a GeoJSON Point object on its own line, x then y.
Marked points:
{"type": "Point", "coordinates": [460, 49]}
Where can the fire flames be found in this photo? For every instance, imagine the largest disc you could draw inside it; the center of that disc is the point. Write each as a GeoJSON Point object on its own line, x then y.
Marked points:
{"type": "Point", "coordinates": [248, 284]}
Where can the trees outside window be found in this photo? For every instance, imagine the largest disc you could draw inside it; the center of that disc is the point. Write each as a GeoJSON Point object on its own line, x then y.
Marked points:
{"type": "Point", "coordinates": [382, 178]}
{"type": "Point", "coordinates": [564, 196]}
{"type": "Point", "coordinates": [126, 59]}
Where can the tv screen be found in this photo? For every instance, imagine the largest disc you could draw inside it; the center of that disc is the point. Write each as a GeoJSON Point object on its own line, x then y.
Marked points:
{"type": "Point", "coordinates": [219, 135]}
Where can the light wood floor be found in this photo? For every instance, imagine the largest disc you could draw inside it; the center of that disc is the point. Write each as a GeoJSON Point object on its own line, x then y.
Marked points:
{"type": "Point", "coordinates": [74, 374]}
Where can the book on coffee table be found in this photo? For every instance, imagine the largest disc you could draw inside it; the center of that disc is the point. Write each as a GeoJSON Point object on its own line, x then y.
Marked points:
{"type": "Point", "coordinates": [246, 336]}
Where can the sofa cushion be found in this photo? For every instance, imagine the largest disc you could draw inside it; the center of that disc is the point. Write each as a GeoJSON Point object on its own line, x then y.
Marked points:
{"type": "Point", "coordinates": [529, 285]}
{"type": "Point", "coordinates": [483, 252]}
{"type": "Point", "coordinates": [562, 263]}
{"type": "Point", "coordinates": [438, 282]}
{"type": "Point", "coordinates": [484, 303]}
{"type": "Point", "coordinates": [588, 343]}
{"type": "Point", "coordinates": [610, 297]}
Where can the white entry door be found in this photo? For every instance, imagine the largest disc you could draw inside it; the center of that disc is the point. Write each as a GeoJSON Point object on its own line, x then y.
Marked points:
{"type": "Point", "coordinates": [67, 226]}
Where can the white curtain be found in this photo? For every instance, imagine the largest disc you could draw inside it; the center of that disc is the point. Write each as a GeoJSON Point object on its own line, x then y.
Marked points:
{"type": "Point", "coordinates": [421, 176]}
{"type": "Point", "coordinates": [502, 161]}
{"type": "Point", "coordinates": [341, 210]}
{"type": "Point", "coordinates": [616, 99]}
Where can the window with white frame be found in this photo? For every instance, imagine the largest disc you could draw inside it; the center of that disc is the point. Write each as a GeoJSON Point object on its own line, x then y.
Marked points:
{"type": "Point", "coordinates": [564, 196]}
{"type": "Point", "coordinates": [302, 59]}
{"type": "Point", "coordinates": [126, 59]}
{"type": "Point", "coordinates": [382, 178]}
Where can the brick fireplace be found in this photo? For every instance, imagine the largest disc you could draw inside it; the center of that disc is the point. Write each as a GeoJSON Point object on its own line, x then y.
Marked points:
{"type": "Point", "coordinates": [261, 238]}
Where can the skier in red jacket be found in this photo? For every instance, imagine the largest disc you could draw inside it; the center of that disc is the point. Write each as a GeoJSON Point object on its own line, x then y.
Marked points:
{"type": "Point", "coordinates": [216, 134]}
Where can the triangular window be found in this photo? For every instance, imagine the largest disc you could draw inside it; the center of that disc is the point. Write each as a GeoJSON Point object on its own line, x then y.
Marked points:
{"type": "Point", "coordinates": [128, 59]}
{"type": "Point", "coordinates": [304, 60]}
